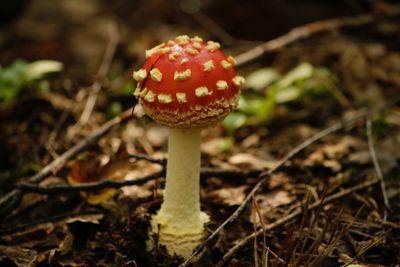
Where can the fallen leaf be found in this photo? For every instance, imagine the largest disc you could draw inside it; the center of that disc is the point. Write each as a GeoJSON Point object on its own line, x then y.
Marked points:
{"type": "Point", "coordinates": [267, 202]}
{"type": "Point", "coordinates": [19, 255]}
{"type": "Point", "coordinates": [230, 196]}
{"type": "Point", "coordinates": [245, 160]}
{"type": "Point", "coordinates": [84, 171]}
{"type": "Point", "coordinates": [157, 135]}
{"type": "Point", "coordinates": [330, 155]}
{"type": "Point", "coordinates": [215, 146]}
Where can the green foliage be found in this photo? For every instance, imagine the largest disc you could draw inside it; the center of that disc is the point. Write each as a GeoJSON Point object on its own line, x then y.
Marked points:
{"type": "Point", "coordinates": [127, 88]}
{"type": "Point", "coordinates": [114, 110]}
{"type": "Point", "coordinates": [12, 80]}
{"type": "Point", "coordinates": [19, 74]}
{"type": "Point", "coordinates": [269, 89]}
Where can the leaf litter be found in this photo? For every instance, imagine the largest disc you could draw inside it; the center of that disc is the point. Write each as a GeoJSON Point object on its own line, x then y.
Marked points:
{"type": "Point", "coordinates": [305, 87]}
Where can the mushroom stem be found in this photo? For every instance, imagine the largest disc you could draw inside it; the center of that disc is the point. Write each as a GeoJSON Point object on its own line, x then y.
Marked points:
{"type": "Point", "coordinates": [179, 222]}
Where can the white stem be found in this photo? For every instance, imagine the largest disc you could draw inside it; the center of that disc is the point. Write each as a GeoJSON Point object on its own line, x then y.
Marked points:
{"type": "Point", "coordinates": [181, 196]}
{"type": "Point", "coordinates": [179, 222]}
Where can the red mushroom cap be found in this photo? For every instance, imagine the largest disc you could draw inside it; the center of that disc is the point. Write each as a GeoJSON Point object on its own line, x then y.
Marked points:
{"type": "Point", "coordinates": [187, 83]}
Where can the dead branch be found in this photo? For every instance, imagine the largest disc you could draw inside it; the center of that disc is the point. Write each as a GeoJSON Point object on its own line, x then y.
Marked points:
{"type": "Point", "coordinates": [52, 219]}
{"type": "Point", "coordinates": [264, 176]}
{"type": "Point", "coordinates": [101, 74]}
{"type": "Point", "coordinates": [291, 216]}
{"type": "Point", "coordinates": [212, 27]}
{"type": "Point", "coordinates": [377, 167]}
{"type": "Point", "coordinates": [12, 199]}
{"type": "Point", "coordinates": [303, 32]}
{"type": "Point", "coordinates": [24, 188]}
{"type": "Point", "coordinates": [162, 162]}
{"type": "Point", "coordinates": [92, 186]}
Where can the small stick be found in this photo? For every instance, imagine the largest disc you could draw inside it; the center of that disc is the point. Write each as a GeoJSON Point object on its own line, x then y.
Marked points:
{"type": "Point", "coordinates": [23, 188]}
{"type": "Point", "coordinates": [53, 135]}
{"type": "Point", "coordinates": [303, 32]}
{"type": "Point", "coordinates": [92, 186]}
{"type": "Point", "coordinates": [53, 219]}
{"type": "Point", "coordinates": [377, 167]}
{"type": "Point", "coordinates": [12, 199]}
{"type": "Point", "coordinates": [213, 28]}
{"type": "Point", "coordinates": [101, 74]}
{"type": "Point", "coordinates": [265, 175]}
{"type": "Point", "coordinates": [162, 162]}
{"type": "Point", "coordinates": [291, 216]}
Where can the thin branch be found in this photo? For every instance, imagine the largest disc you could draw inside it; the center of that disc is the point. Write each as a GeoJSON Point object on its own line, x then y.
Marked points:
{"type": "Point", "coordinates": [213, 28]}
{"type": "Point", "coordinates": [303, 32]}
{"type": "Point", "coordinates": [377, 167]}
{"type": "Point", "coordinates": [265, 175]}
{"type": "Point", "coordinates": [49, 145]}
{"type": "Point", "coordinates": [291, 216]}
{"type": "Point", "coordinates": [92, 186]}
{"type": "Point", "coordinates": [24, 188]}
{"type": "Point", "coordinates": [12, 199]}
{"type": "Point", "coordinates": [162, 162]}
{"type": "Point", "coordinates": [52, 219]}
{"type": "Point", "coordinates": [101, 74]}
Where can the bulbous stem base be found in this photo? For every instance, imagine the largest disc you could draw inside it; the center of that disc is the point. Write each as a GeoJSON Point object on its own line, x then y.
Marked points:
{"type": "Point", "coordinates": [179, 223]}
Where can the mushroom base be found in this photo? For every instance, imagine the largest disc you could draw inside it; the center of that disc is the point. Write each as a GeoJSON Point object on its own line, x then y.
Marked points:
{"type": "Point", "coordinates": [180, 241]}
{"type": "Point", "coordinates": [180, 222]}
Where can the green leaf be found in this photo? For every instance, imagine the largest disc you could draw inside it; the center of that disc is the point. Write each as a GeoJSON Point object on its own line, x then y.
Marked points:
{"type": "Point", "coordinates": [287, 94]}
{"type": "Point", "coordinates": [37, 69]}
{"type": "Point", "coordinates": [261, 78]}
{"type": "Point", "coordinates": [266, 109]}
{"type": "Point", "coordinates": [12, 78]}
{"type": "Point", "coordinates": [302, 71]}
{"type": "Point", "coordinates": [234, 121]}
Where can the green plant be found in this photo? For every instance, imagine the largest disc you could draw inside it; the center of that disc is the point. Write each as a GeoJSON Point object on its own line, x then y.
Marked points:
{"type": "Point", "coordinates": [269, 89]}
{"type": "Point", "coordinates": [19, 74]}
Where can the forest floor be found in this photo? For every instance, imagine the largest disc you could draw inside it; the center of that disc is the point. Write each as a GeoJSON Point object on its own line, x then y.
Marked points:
{"type": "Point", "coordinates": [304, 173]}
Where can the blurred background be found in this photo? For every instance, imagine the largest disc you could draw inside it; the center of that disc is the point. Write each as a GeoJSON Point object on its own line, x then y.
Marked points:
{"type": "Point", "coordinates": [58, 55]}
{"type": "Point", "coordinates": [51, 53]}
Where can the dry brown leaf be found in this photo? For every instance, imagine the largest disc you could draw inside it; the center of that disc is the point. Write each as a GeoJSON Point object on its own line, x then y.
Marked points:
{"type": "Point", "coordinates": [212, 147]}
{"type": "Point", "coordinates": [157, 135]}
{"type": "Point", "coordinates": [93, 170]}
{"type": "Point", "coordinates": [245, 160]}
{"type": "Point", "coordinates": [330, 155]}
{"type": "Point", "coordinates": [267, 202]}
{"type": "Point", "coordinates": [139, 169]}
{"type": "Point", "coordinates": [230, 196]}
{"type": "Point", "coordinates": [19, 255]}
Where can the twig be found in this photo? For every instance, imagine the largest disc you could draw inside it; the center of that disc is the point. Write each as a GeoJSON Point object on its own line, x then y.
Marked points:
{"type": "Point", "coordinates": [377, 167]}
{"type": "Point", "coordinates": [162, 162]}
{"type": "Point", "coordinates": [291, 216]}
{"type": "Point", "coordinates": [263, 176]}
{"type": "Point", "coordinates": [101, 74]}
{"type": "Point", "coordinates": [52, 219]}
{"type": "Point", "coordinates": [212, 27]}
{"type": "Point", "coordinates": [53, 135]}
{"type": "Point", "coordinates": [366, 247]}
{"type": "Point", "coordinates": [24, 188]}
{"type": "Point", "coordinates": [92, 186]}
{"type": "Point", "coordinates": [12, 199]}
{"type": "Point", "coordinates": [303, 32]}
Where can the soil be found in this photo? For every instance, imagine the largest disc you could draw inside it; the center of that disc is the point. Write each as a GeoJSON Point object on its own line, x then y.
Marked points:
{"type": "Point", "coordinates": [103, 226]}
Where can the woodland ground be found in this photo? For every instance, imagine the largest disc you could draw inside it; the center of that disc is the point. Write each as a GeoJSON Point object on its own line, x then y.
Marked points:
{"type": "Point", "coordinates": [68, 125]}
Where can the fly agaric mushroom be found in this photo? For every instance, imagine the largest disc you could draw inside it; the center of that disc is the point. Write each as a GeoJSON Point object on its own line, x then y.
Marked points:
{"type": "Point", "coordinates": [185, 84]}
